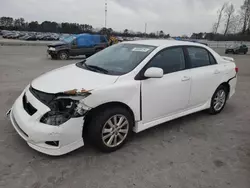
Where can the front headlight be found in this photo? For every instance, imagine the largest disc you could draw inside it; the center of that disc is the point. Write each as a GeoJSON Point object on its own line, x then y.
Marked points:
{"type": "Point", "coordinates": [52, 49]}
{"type": "Point", "coordinates": [62, 110]}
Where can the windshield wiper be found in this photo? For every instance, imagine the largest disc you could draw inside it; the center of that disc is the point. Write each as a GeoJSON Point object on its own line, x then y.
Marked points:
{"type": "Point", "coordinates": [94, 68]}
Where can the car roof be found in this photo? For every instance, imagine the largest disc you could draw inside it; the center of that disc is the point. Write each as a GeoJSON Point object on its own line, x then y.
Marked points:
{"type": "Point", "coordinates": [165, 43]}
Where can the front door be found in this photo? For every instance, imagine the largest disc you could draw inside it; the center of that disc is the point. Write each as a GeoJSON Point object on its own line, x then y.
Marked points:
{"type": "Point", "coordinates": [162, 97]}
{"type": "Point", "coordinates": [82, 46]}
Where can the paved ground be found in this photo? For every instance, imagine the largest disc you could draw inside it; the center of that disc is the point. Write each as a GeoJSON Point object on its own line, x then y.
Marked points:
{"type": "Point", "coordinates": [17, 42]}
{"type": "Point", "coordinates": [192, 152]}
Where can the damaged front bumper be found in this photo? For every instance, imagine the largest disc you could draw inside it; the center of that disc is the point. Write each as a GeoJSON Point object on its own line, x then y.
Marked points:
{"type": "Point", "coordinates": [48, 139]}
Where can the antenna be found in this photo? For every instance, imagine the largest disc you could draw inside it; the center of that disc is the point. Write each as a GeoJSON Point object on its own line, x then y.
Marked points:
{"type": "Point", "coordinates": [106, 11]}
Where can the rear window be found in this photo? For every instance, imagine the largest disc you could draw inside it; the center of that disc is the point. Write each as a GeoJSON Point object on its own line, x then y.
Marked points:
{"type": "Point", "coordinates": [199, 57]}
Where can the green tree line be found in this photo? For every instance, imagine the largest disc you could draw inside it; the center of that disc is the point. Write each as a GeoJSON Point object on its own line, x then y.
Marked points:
{"type": "Point", "coordinates": [19, 24]}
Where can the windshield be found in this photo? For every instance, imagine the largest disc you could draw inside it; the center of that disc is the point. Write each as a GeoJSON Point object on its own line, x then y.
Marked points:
{"type": "Point", "coordinates": [118, 59]}
{"type": "Point", "coordinates": [69, 39]}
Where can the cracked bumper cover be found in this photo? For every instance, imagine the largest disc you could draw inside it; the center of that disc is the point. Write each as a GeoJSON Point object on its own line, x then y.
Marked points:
{"type": "Point", "coordinates": [36, 134]}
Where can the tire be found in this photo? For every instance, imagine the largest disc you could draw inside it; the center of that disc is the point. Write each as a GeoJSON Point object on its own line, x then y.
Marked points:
{"type": "Point", "coordinates": [219, 100]}
{"type": "Point", "coordinates": [103, 134]}
{"type": "Point", "coordinates": [63, 55]}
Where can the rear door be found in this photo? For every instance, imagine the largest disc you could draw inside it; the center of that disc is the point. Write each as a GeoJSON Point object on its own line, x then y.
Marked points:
{"type": "Point", "coordinates": [206, 75]}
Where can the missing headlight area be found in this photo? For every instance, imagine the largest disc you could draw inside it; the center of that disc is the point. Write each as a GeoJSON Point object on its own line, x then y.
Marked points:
{"type": "Point", "coordinates": [62, 106]}
{"type": "Point", "coordinates": [62, 110]}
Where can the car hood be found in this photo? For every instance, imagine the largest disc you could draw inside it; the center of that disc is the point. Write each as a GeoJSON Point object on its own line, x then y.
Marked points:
{"type": "Point", "coordinates": [71, 77]}
{"type": "Point", "coordinates": [56, 44]}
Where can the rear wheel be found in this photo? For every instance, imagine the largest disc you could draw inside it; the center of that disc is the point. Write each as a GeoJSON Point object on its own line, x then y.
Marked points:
{"type": "Point", "coordinates": [219, 100]}
{"type": "Point", "coordinates": [63, 55]}
{"type": "Point", "coordinates": [110, 128]}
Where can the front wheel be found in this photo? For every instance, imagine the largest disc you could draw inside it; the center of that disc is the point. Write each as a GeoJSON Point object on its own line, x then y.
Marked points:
{"type": "Point", "coordinates": [219, 100]}
{"type": "Point", "coordinates": [63, 55]}
{"type": "Point", "coordinates": [110, 128]}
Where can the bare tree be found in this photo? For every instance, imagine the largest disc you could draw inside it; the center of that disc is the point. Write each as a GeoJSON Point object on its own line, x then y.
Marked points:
{"type": "Point", "coordinates": [220, 14]}
{"type": "Point", "coordinates": [245, 8]}
{"type": "Point", "coordinates": [235, 25]}
{"type": "Point", "coordinates": [229, 15]}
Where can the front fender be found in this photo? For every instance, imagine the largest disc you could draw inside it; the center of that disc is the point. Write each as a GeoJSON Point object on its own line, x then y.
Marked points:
{"type": "Point", "coordinates": [127, 92]}
{"type": "Point", "coordinates": [64, 47]}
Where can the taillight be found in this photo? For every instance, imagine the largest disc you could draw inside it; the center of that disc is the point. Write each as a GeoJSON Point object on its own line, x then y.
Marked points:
{"type": "Point", "coordinates": [236, 69]}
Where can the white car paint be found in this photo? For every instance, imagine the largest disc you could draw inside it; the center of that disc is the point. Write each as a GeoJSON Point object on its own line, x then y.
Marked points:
{"type": "Point", "coordinates": [71, 77]}
{"type": "Point", "coordinates": [152, 101]}
{"type": "Point", "coordinates": [156, 92]}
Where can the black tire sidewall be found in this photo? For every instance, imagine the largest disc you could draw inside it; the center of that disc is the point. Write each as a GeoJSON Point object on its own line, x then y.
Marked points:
{"type": "Point", "coordinates": [61, 52]}
{"type": "Point", "coordinates": [99, 120]}
{"type": "Point", "coordinates": [212, 110]}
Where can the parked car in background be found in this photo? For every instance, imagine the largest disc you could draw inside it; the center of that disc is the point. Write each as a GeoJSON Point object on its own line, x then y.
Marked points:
{"type": "Point", "coordinates": [82, 44]}
{"type": "Point", "coordinates": [130, 86]}
{"type": "Point", "coordinates": [29, 37]}
{"type": "Point", "coordinates": [7, 34]}
{"type": "Point", "coordinates": [237, 49]}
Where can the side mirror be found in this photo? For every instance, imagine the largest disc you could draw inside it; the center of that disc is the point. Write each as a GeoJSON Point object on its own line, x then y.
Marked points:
{"type": "Point", "coordinates": [153, 72]}
{"type": "Point", "coordinates": [74, 42]}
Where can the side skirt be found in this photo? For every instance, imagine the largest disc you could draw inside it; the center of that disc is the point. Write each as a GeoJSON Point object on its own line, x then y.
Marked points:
{"type": "Point", "coordinates": [139, 126]}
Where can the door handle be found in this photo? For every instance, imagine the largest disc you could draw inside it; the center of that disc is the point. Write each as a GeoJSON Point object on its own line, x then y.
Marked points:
{"type": "Point", "coordinates": [185, 78]}
{"type": "Point", "coordinates": [216, 71]}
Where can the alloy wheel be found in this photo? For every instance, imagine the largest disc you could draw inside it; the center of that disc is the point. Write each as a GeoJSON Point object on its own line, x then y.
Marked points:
{"type": "Point", "coordinates": [219, 100]}
{"type": "Point", "coordinates": [115, 130]}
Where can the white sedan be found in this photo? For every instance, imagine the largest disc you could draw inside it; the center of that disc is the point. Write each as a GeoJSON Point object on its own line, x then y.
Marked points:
{"type": "Point", "coordinates": [131, 86]}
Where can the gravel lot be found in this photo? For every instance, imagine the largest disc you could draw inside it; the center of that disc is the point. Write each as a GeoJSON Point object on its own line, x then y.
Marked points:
{"type": "Point", "coordinates": [195, 151]}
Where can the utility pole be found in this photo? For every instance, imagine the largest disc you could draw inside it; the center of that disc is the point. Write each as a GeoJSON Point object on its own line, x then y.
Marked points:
{"type": "Point", "coordinates": [145, 28]}
{"type": "Point", "coordinates": [106, 11]}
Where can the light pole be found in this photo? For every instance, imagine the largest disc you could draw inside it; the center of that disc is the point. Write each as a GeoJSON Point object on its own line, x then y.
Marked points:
{"type": "Point", "coordinates": [106, 11]}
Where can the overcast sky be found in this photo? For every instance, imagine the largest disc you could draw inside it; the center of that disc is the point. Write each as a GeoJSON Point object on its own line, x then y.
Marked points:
{"type": "Point", "coordinates": [176, 17]}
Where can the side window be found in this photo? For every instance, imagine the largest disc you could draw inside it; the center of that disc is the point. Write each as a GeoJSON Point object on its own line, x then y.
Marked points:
{"type": "Point", "coordinates": [74, 42]}
{"type": "Point", "coordinates": [170, 60]}
{"type": "Point", "coordinates": [199, 57]}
